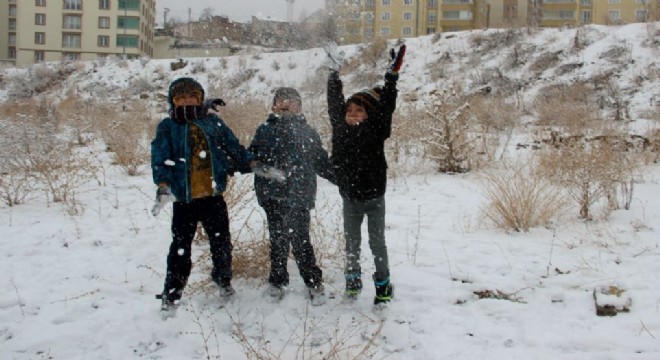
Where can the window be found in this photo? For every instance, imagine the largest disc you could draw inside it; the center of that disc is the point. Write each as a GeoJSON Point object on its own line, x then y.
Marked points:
{"type": "Point", "coordinates": [104, 4]}
{"type": "Point", "coordinates": [128, 22]}
{"type": "Point", "coordinates": [431, 17]}
{"type": "Point", "coordinates": [614, 15]}
{"type": "Point", "coordinates": [12, 24]}
{"type": "Point", "coordinates": [614, 1]}
{"type": "Point", "coordinates": [369, 18]}
{"type": "Point", "coordinates": [586, 2]}
{"type": "Point", "coordinates": [407, 31]}
{"type": "Point", "coordinates": [71, 40]}
{"type": "Point", "coordinates": [104, 22]}
{"type": "Point", "coordinates": [559, 15]}
{"type": "Point", "coordinates": [407, 2]}
{"type": "Point", "coordinates": [12, 10]}
{"type": "Point", "coordinates": [585, 18]}
{"type": "Point", "coordinates": [385, 31]}
{"type": "Point", "coordinates": [430, 31]}
{"type": "Point", "coordinates": [12, 52]}
{"type": "Point", "coordinates": [40, 19]}
{"type": "Point", "coordinates": [641, 15]}
{"type": "Point", "coordinates": [72, 4]}
{"type": "Point", "coordinates": [39, 56]}
{"type": "Point", "coordinates": [73, 22]}
{"type": "Point", "coordinates": [369, 33]}
{"type": "Point", "coordinates": [385, 16]}
{"type": "Point", "coordinates": [457, 15]}
{"type": "Point", "coordinates": [69, 56]}
{"type": "Point", "coordinates": [127, 41]}
{"type": "Point", "coordinates": [40, 38]}
{"type": "Point", "coordinates": [407, 16]}
{"type": "Point", "coordinates": [40, 3]}
{"type": "Point", "coordinates": [432, 4]}
{"type": "Point", "coordinates": [386, 2]}
{"type": "Point", "coordinates": [12, 40]}
{"type": "Point", "coordinates": [129, 4]}
{"type": "Point", "coordinates": [103, 41]}
{"type": "Point", "coordinates": [463, 1]}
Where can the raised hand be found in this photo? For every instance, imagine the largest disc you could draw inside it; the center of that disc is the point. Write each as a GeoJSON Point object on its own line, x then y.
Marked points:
{"type": "Point", "coordinates": [335, 58]}
{"type": "Point", "coordinates": [397, 59]}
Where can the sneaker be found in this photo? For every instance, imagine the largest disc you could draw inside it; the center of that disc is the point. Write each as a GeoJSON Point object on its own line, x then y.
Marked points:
{"type": "Point", "coordinates": [275, 292]}
{"type": "Point", "coordinates": [353, 285]}
{"type": "Point", "coordinates": [317, 295]}
{"type": "Point", "coordinates": [226, 291]}
{"type": "Point", "coordinates": [168, 305]}
{"type": "Point", "coordinates": [384, 291]}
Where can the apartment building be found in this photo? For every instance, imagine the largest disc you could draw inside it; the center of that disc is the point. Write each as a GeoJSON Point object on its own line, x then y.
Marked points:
{"type": "Point", "coordinates": [56, 30]}
{"type": "Point", "coordinates": [362, 20]}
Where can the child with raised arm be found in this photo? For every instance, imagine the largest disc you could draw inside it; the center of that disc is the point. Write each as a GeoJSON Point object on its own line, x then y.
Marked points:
{"type": "Point", "coordinates": [360, 126]}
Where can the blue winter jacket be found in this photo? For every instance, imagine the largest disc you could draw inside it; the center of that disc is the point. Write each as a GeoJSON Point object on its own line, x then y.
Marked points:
{"type": "Point", "coordinates": [288, 143]}
{"type": "Point", "coordinates": [170, 154]}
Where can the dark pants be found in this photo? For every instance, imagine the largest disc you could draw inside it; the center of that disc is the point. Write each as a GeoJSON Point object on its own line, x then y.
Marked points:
{"type": "Point", "coordinates": [212, 213]}
{"type": "Point", "coordinates": [289, 228]}
{"type": "Point", "coordinates": [354, 213]}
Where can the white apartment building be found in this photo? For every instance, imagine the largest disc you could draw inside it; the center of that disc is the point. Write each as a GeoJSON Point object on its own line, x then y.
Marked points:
{"type": "Point", "coordinates": [56, 30]}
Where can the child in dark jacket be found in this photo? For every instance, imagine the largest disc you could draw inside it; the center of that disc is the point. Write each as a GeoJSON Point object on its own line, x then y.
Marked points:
{"type": "Point", "coordinates": [288, 143]}
{"type": "Point", "coordinates": [360, 126]}
{"type": "Point", "coordinates": [191, 156]}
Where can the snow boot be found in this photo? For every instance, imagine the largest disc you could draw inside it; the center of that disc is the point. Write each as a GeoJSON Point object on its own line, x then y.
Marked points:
{"type": "Point", "coordinates": [384, 291]}
{"type": "Point", "coordinates": [226, 291]}
{"type": "Point", "coordinates": [317, 295]}
{"type": "Point", "coordinates": [275, 292]}
{"type": "Point", "coordinates": [353, 285]}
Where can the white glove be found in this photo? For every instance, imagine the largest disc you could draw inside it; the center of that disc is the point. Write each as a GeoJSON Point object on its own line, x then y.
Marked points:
{"type": "Point", "coordinates": [163, 197]}
{"type": "Point", "coordinates": [268, 172]}
{"type": "Point", "coordinates": [335, 58]}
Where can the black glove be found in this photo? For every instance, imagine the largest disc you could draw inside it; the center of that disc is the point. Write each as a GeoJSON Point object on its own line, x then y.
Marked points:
{"type": "Point", "coordinates": [267, 171]}
{"type": "Point", "coordinates": [213, 104]}
{"type": "Point", "coordinates": [163, 196]}
{"type": "Point", "coordinates": [396, 60]}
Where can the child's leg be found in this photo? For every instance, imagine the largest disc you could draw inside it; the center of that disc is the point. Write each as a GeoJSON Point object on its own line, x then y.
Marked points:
{"type": "Point", "coordinates": [375, 210]}
{"type": "Point", "coordinates": [353, 215]}
{"type": "Point", "coordinates": [216, 224]}
{"type": "Point", "coordinates": [298, 221]}
{"type": "Point", "coordinates": [279, 244]}
{"type": "Point", "coordinates": [184, 225]}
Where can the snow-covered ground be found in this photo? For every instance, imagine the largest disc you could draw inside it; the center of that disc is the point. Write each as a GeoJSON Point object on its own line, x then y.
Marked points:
{"type": "Point", "coordinates": [82, 286]}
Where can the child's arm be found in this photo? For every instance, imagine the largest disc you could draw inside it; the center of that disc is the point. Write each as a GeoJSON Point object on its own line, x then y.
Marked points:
{"type": "Point", "coordinates": [161, 155]}
{"type": "Point", "coordinates": [238, 156]}
{"type": "Point", "coordinates": [322, 164]}
{"type": "Point", "coordinates": [336, 102]}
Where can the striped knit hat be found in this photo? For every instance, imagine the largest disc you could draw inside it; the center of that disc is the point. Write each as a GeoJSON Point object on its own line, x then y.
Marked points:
{"type": "Point", "coordinates": [367, 98]}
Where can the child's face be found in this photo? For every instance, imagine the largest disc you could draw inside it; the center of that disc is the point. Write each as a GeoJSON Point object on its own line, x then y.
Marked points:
{"type": "Point", "coordinates": [186, 99]}
{"type": "Point", "coordinates": [355, 114]}
{"type": "Point", "coordinates": [286, 106]}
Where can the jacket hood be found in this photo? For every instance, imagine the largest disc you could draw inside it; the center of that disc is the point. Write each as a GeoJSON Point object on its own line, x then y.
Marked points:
{"type": "Point", "coordinates": [184, 84]}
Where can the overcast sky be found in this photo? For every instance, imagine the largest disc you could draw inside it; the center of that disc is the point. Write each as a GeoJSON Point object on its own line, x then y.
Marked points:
{"type": "Point", "coordinates": [238, 10]}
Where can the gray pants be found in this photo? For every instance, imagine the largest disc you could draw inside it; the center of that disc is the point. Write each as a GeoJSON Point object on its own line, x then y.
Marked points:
{"type": "Point", "coordinates": [354, 212]}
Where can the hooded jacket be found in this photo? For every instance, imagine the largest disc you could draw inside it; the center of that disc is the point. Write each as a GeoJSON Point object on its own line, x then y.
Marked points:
{"type": "Point", "coordinates": [358, 154]}
{"type": "Point", "coordinates": [171, 152]}
{"type": "Point", "coordinates": [288, 143]}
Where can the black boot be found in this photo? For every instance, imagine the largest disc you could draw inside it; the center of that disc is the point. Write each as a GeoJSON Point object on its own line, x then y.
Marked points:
{"type": "Point", "coordinates": [353, 285]}
{"type": "Point", "coordinates": [384, 290]}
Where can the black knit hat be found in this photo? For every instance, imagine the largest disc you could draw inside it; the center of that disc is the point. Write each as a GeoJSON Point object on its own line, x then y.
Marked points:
{"type": "Point", "coordinates": [184, 85]}
{"type": "Point", "coordinates": [286, 93]}
{"type": "Point", "coordinates": [367, 98]}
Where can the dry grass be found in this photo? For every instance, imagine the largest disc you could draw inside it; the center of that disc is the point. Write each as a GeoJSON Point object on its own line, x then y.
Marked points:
{"type": "Point", "coordinates": [520, 198]}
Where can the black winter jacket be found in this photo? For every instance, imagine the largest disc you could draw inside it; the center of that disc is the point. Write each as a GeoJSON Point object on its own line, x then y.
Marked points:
{"type": "Point", "coordinates": [291, 145]}
{"type": "Point", "coordinates": [358, 154]}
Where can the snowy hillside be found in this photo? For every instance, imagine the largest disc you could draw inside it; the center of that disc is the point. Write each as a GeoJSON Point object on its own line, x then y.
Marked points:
{"type": "Point", "coordinates": [80, 277]}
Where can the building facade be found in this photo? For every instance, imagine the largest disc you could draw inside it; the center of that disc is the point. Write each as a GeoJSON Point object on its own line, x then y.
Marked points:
{"type": "Point", "coordinates": [69, 30]}
{"type": "Point", "coordinates": [363, 20]}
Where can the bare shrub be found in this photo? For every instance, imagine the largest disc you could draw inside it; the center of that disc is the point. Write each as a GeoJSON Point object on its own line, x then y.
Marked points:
{"type": "Point", "coordinates": [16, 181]}
{"type": "Point", "coordinates": [126, 133]}
{"type": "Point", "coordinates": [591, 169]}
{"type": "Point", "coordinates": [496, 118]}
{"type": "Point", "coordinates": [38, 79]}
{"type": "Point", "coordinates": [244, 116]}
{"type": "Point", "coordinates": [141, 85]}
{"type": "Point", "coordinates": [519, 198]}
{"type": "Point", "coordinates": [451, 140]}
{"type": "Point", "coordinates": [570, 107]}
{"type": "Point", "coordinates": [545, 61]}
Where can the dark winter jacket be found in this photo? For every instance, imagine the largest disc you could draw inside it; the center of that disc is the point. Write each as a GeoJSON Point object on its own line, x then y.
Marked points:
{"type": "Point", "coordinates": [358, 154]}
{"type": "Point", "coordinates": [288, 143]}
{"type": "Point", "coordinates": [171, 154]}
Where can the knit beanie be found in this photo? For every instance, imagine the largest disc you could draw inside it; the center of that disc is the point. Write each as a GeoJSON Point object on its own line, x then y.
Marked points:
{"type": "Point", "coordinates": [367, 98]}
{"type": "Point", "coordinates": [185, 85]}
{"type": "Point", "coordinates": [285, 93]}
